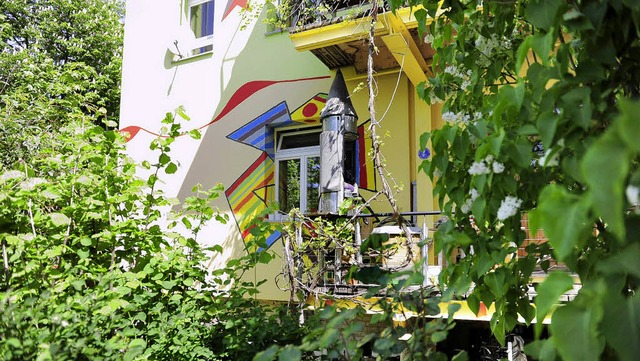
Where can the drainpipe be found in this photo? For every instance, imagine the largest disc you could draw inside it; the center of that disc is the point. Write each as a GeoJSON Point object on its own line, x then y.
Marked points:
{"type": "Point", "coordinates": [339, 129]}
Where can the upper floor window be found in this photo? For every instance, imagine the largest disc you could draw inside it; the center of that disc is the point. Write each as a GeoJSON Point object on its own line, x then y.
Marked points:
{"type": "Point", "coordinates": [201, 21]}
{"type": "Point", "coordinates": [298, 170]}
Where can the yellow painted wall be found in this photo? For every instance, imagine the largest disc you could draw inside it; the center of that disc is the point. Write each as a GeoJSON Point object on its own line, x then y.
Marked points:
{"type": "Point", "coordinates": [397, 106]}
{"type": "Point", "coordinates": [393, 131]}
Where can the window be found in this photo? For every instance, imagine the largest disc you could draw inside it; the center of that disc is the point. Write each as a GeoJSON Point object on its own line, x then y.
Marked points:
{"type": "Point", "coordinates": [298, 170]}
{"type": "Point", "coordinates": [201, 16]}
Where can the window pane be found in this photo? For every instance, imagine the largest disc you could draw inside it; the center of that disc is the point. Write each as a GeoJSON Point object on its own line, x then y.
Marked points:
{"type": "Point", "coordinates": [201, 19]}
{"type": "Point", "coordinates": [289, 187]}
{"type": "Point", "coordinates": [298, 140]}
{"type": "Point", "coordinates": [313, 181]}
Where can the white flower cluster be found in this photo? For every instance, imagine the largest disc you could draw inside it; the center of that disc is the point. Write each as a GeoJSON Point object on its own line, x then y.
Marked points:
{"type": "Point", "coordinates": [478, 168]}
{"type": "Point", "coordinates": [456, 117]}
{"type": "Point", "coordinates": [31, 183]}
{"type": "Point", "coordinates": [509, 207]}
{"type": "Point", "coordinates": [486, 166]}
{"type": "Point", "coordinates": [454, 71]}
{"type": "Point", "coordinates": [497, 167]}
{"type": "Point", "coordinates": [461, 117]}
{"type": "Point", "coordinates": [428, 38]}
{"type": "Point", "coordinates": [487, 46]}
{"type": "Point", "coordinates": [9, 175]}
{"type": "Point", "coordinates": [466, 207]}
{"type": "Point", "coordinates": [434, 98]}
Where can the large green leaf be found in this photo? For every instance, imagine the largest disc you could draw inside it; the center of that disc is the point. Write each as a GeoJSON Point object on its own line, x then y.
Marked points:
{"type": "Point", "coordinates": [542, 44]}
{"type": "Point", "coordinates": [547, 123]}
{"type": "Point", "coordinates": [544, 14]}
{"type": "Point", "coordinates": [621, 325]}
{"type": "Point", "coordinates": [136, 347]}
{"type": "Point", "coordinates": [575, 332]}
{"type": "Point", "coordinates": [542, 350]}
{"type": "Point", "coordinates": [627, 124]}
{"type": "Point", "coordinates": [623, 263]}
{"type": "Point", "coordinates": [563, 216]}
{"type": "Point", "coordinates": [605, 167]}
{"type": "Point", "coordinates": [549, 293]}
{"type": "Point", "coordinates": [290, 353]}
{"type": "Point", "coordinates": [577, 103]}
{"type": "Point", "coordinates": [421, 17]}
{"type": "Point", "coordinates": [59, 219]}
{"type": "Point", "coordinates": [267, 355]}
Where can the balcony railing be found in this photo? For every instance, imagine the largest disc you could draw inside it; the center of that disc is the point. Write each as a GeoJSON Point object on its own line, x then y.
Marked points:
{"type": "Point", "coordinates": [326, 267]}
{"type": "Point", "coordinates": [304, 13]}
{"type": "Point", "coordinates": [375, 241]}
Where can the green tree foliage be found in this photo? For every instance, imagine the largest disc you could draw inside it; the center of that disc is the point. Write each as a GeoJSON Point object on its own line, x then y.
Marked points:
{"type": "Point", "coordinates": [541, 103]}
{"type": "Point", "coordinates": [59, 59]}
{"type": "Point", "coordinates": [88, 273]}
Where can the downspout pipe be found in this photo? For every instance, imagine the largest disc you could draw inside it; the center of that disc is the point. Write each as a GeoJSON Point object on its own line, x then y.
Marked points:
{"type": "Point", "coordinates": [339, 125]}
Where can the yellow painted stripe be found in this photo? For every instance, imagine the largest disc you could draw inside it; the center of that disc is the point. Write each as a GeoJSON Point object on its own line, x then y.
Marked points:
{"type": "Point", "coordinates": [258, 176]}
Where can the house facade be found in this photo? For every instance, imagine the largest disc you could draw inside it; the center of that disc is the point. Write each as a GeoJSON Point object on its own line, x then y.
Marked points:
{"type": "Point", "coordinates": [256, 93]}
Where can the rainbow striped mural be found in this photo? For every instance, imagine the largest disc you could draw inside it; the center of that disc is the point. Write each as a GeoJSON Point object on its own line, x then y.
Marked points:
{"type": "Point", "coordinates": [249, 194]}
{"type": "Point", "coordinates": [258, 133]}
{"type": "Point", "coordinates": [309, 112]}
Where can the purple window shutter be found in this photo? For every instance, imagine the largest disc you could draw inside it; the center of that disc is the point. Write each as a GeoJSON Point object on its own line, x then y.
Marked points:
{"type": "Point", "coordinates": [207, 18]}
{"type": "Point", "coordinates": [203, 23]}
{"type": "Point", "coordinates": [210, 13]}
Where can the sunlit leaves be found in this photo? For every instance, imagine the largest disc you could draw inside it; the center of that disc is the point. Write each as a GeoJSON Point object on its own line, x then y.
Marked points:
{"type": "Point", "coordinates": [549, 87]}
{"type": "Point", "coordinates": [86, 255]}
{"type": "Point", "coordinates": [59, 219]}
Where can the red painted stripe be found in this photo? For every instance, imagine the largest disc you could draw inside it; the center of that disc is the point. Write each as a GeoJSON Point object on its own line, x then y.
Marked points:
{"type": "Point", "coordinates": [247, 90]}
{"type": "Point", "coordinates": [247, 231]}
{"type": "Point", "coordinates": [250, 196]}
{"type": "Point", "coordinates": [240, 95]}
{"type": "Point", "coordinates": [246, 173]}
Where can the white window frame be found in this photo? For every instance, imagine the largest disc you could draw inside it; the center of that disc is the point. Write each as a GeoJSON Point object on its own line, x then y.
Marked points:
{"type": "Point", "coordinates": [302, 153]}
{"type": "Point", "coordinates": [203, 41]}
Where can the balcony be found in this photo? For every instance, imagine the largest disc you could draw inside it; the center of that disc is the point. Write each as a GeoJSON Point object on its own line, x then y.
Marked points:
{"type": "Point", "coordinates": [368, 240]}
{"type": "Point", "coordinates": [373, 241]}
{"type": "Point", "coordinates": [337, 33]}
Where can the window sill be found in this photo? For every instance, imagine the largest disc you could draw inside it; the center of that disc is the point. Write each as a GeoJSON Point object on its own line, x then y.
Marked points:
{"type": "Point", "coordinates": [184, 59]}
{"type": "Point", "coordinates": [277, 217]}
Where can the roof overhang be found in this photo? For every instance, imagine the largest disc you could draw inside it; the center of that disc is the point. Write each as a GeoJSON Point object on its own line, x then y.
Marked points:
{"type": "Point", "coordinates": [397, 32]}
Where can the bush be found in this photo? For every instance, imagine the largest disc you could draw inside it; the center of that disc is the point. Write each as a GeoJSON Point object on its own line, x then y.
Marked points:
{"type": "Point", "coordinates": [89, 273]}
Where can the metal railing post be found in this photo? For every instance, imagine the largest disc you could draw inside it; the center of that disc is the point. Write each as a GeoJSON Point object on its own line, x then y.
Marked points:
{"type": "Point", "coordinates": [425, 252]}
{"type": "Point", "coordinates": [358, 241]}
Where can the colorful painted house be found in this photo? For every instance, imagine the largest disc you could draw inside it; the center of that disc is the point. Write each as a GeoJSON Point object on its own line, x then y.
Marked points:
{"type": "Point", "coordinates": [256, 93]}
